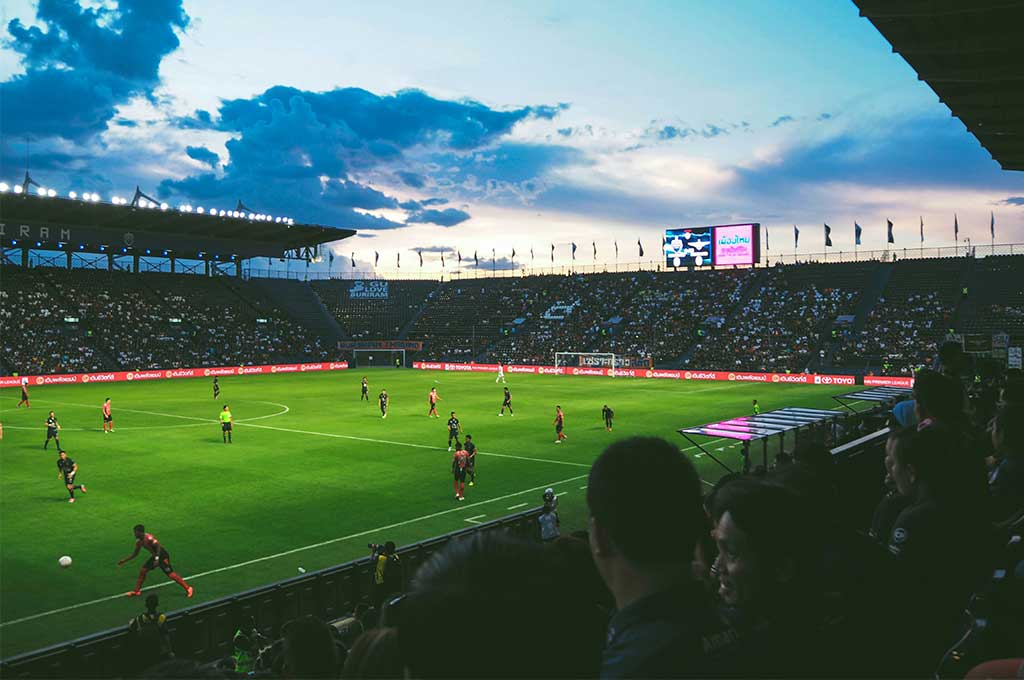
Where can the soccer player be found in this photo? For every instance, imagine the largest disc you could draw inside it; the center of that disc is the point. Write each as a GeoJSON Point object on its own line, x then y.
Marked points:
{"type": "Point", "coordinates": [66, 470]}
{"type": "Point", "coordinates": [607, 414]}
{"type": "Point", "coordinates": [471, 459]}
{"type": "Point", "coordinates": [52, 431]}
{"type": "Point", "coordinates": [159, 558]}
{"type": "Point", "coordinates": [216, 388]}
{"type": "Point", "coordinates": [365, 387]}
{"type": "Point", "coordinates": [459, 463]}
{"type": "Point", "coordinates": [382, 398]}
{"type": "Point", "coordinates": [225, 424]}
{"type": "Point", "coordinates": [433, 398]}
{"type": "Point", "coordinates": [24, 394]}
{"type": "Point", "coordinates": [757, 408]}
{"type": "Point", "coordinates": [108, 419]}
{"type": "Point", "coordinates": [506, 404]}
{"type": "Point", "coordinates": [559, 425]}
{"type": "Point", "coordinates": [454, 427]}
{"type": "Point", "coordinates": [501, 373]}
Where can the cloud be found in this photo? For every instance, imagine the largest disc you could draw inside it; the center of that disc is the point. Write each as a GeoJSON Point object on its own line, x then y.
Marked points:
{"type": "Point", "coordinates": [203, 155]}
{"type": "Point", "coordinates": [1014, 200]}
{"type": "Point", "coordinates": [781, 120]}
{"type": "Point", "coordinates": [83, 63]}
{"type": "Point", "coordinates": [825, 116]}
{"type": "Point", "coordinates": [448, 217]}
{"type": "Point", "coordinates": [411, 179]}
{"type": "Point", "coordinates": [355, 195]}
{"type": "Point", "coordinates": [433, 249]}
{"type": "Point", "coordinates": [501, 263]}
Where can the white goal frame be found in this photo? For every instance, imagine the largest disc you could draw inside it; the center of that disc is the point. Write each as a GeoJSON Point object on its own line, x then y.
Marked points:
{"type": "Point", "coordinates": [391, 352]}
{"type": "Point", "coordinates": [614, 360]}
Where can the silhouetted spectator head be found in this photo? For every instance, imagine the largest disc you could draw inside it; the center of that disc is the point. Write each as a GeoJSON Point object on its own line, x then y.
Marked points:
{"type": "Point", "coordinates": [309, 649]}
{"type": "Point", "coordinates": [952, 359]}
{"type": "Point", "coordinates": [925, 461]}
{"type": "Point", "coordinates": [765, 544]}
{"type": "Point", "coordinates": [939, 398]}
{"type": "Point", "coordinates": [375, 654]}
{"type": "Point", "coordinates": [500, 588]}
{"type": "Point", "coordinates": [645, 507]}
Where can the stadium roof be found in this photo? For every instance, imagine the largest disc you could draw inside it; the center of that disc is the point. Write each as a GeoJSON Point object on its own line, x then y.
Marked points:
{"type": "Point", "coordinates": [971, 53]}
{"type": "Point", "coordinates": [53, 223]}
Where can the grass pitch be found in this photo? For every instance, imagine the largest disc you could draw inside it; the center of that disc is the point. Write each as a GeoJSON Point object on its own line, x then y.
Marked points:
{"type": "Point", "coordinates": [312, 477]}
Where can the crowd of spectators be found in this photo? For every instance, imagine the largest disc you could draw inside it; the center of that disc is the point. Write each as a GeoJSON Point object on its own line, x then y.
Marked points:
{"type": "Point", "coordinates": [63, 321]}
{"type": "Point", "coordinates": [900, 334]}
{"type": "Point", "coordinates": [779, 328]}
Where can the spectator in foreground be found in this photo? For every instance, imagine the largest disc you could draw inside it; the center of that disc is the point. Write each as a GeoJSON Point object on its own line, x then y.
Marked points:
{"type": "Point", "coordinates": [643, 544]}
{"type": "Point", "coordinates": [482, 607]}
{"type": "Point", "coordinates": [150, 639]}
{"type": "Point", "coordinates": [549, 524]}
{"type": "Point", "coordinates": [310, 650]}
{"type": "Point", "coordinates": [1006, 478]}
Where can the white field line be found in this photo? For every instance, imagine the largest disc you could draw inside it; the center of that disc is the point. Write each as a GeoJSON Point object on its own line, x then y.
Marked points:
{"type": "Point", "coordinates": [475, 519]}
{"type": "Point", "coordinates": [295, 550]}
{"type": "Point", "coordinates": [517, 506]}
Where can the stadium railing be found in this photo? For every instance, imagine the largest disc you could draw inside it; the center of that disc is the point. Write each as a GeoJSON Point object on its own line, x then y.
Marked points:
{"type": "Point", "coordinates": [205, 632]}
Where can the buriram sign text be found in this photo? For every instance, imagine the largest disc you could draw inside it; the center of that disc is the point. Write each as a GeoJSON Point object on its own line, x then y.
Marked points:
{"type": "Point", "coordinates": [165, 374]}
{"type": "Point", "coordinates": [737, 376]}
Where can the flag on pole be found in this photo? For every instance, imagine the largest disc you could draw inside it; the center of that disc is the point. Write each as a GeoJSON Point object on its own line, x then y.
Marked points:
{"type": "Point", "coordinates": [531, 254]}
{"type": "Point", "coordinates": [828, 236]}
{"type": "Point", "coordinates": [594, 243]}
{"type": "Point", "coordinates": [616, 249]}
{"type": "Point", "coordinates": [856, 233]}
{"type": "Point", "coordinates": [796, 237]}
{"type": "Point", "coordinates": [476, 260]}
{"type": "Point", "coordinates": [574, 251]}
{"type": "Point", "coordinates": [442, 259]}
{"type": "Point", "coordinates": [494, 258]}
{"type": "Point", "coordinates": [552, 252]}
{"type": "Point", "coordinates": [922, 229]}
{"type": "Point", "coordinates": [888, 227]}
{"type": "Point", "coordinates": [513, 254]}
{"type": "Point", "coordinates": [640, 246]}
{"type": "Point", "coordinates": [458, 254]}
{"type": "Point", "coordinates": [992, 224]}
{"type": "Point", "coordinates": [767, 245]}
{"type": "Point", "coordinates": [330, 258]}
{"type": "Point", "coordinates": [956, 228]}
{"type": "Point", "coordinates": [376, 259]}
{"type": "Point", "coordinates": [353, 260]}
{"type": "Point", "coordinates": [398, 260]}
{"type": "Point", "coordinates": [421, 257]}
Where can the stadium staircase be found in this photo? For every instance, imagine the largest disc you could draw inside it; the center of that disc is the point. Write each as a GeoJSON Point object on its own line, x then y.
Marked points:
{"type": "Point", "coordinates": [404, 333]}
{"type": "Point", "coordinates": [299, 301]}
{"type": "Point", "coordinates": [752, 286]}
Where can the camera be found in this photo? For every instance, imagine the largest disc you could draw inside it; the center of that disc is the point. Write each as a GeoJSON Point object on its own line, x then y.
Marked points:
{"type": "Point", "coordinates": [375, 547]}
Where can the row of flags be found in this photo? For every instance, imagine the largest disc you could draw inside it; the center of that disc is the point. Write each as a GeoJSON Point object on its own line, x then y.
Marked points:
{"type": "Point", "coordinates": [889, 237]}
{"type": "Point", "coordinates": [857, 233]}
{"type": "Point", "coordinates": [476, 257]}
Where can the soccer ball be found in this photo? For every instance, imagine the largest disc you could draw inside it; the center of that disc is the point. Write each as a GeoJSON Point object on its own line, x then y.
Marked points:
{"type": "Point", "coordinates": [64, 562]}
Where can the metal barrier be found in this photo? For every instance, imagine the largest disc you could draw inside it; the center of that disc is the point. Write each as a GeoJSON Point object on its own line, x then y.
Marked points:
{"type": "Point", "coordinates": [205, 632]}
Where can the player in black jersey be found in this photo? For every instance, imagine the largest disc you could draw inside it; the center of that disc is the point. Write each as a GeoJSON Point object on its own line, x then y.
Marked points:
{"type": "Point", "coordinates": [507, 403]}
{"type": "Point", "coordinates": [383, 399]}
{"type": "Point", "coordinates": [52, 431]}
{"type": "Point", "coordinates": [470, 449]}
{"type": "Point", "coordinates": [607, 414]}
{"type": "Point", "coordinates": [216, 388]}
{"type": "Point", "coordinates": [365, 394]}
{"type": "Point", "coordinates": [454, 427]}
{"type": "Point", "coordinates": [66, 470]}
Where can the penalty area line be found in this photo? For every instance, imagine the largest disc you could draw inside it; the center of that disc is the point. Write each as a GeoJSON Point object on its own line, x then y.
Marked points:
{"type": "Point", "coordinates": [293, 551]}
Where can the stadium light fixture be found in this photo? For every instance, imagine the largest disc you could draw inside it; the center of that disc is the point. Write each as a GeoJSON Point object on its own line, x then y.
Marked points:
{"type": "Point", "coordinates": [50, 193]}
{"type": "Point", "coordinates": [164, 206]}
{"type": "Point", "coordinates": [72, 194]}
{"type": "Point", "coordinates": [4, 187]}
{"type": "Point", "coordinates": [41, 191]}
{"type": "Point", "coordinates": [18, 189]}
{"type": "Point", "coordinates": [200, 210]}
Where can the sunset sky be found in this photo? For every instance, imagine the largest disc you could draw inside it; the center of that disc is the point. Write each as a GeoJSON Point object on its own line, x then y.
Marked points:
{"type": "Point", "coordinates": [479, 125]}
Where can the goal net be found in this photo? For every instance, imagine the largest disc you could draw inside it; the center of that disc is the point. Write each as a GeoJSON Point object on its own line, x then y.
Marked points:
{"type": "Point", "coordinates": [588, 359]}
{"type": "Point", "coordinates": [365, 358]}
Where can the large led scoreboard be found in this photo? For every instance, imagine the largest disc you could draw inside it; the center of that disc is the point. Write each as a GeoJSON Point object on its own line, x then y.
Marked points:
{"type": "Point", "coordinates": [720, 245]}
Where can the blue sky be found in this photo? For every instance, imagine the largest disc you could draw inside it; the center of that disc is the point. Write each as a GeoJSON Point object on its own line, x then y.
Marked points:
{"type": "Point", "coordinates": [473, 126]}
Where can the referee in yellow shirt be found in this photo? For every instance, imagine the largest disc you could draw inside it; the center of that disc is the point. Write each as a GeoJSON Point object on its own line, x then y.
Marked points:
{"type": "Point", "coordinates": [225, 424]}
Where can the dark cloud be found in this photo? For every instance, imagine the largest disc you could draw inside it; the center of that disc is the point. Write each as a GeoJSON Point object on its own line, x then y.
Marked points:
{"type": "Point", "coordinates": [200, 120]}
{"type": "Point", "coordinates": [825, 116]}
{"type": "Point", "coordinates": [434, 201]}
{"type": "Point", "coordinates": [781, 120]}
{"type": "Point", "coordinates": [203, 155]}
{"type": "Point", "coordinates": [433, 249]}
{"type": "Point", "coordinates": [411, 179]}
{"type": "Point", "coordinates": [1014, 200]}
{"type": "Point", "coordinates": [366, 235]}
{"type": "Point", "coordinates": [355, 195]}
{"type": "Point", "coordinates": [666, 133]}
{"type": "Point", "coordinates": [410, 205]}
{"type": "Point", "coordinates": [448, 217]}
{"type": "Point", "coordinates": [673, 132]}
{"type": "Point", "coordinates": [502, 263]}
{"type": "Point", "coordinates": [83, 63]}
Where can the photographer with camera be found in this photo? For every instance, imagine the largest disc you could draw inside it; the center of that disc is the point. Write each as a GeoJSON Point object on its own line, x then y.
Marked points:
{"type": "Point", "coordinates": [387, 572]}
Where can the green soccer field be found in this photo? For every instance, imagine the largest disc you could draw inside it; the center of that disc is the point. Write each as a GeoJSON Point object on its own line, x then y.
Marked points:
{"type": "Point", "coordinates": [312, 477]}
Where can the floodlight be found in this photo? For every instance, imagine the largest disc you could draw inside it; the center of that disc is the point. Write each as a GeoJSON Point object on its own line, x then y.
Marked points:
{"type": "Point", "coordinates": [41, 191]}
{"type": "Point", "coordinates": [4, 187]}
{"type": "Point", "coordinates": [164, 206]}
{"type": "Point", "coordinates": [17, 188]}
{"type": "Point", "coordinates": [72, 194]}
{"type": "Point", "coordinates": [200, 210]}
{"type": "Point", "coordinates": [50, 193]}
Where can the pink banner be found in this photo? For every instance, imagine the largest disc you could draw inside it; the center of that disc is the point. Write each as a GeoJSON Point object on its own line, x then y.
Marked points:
{"type": "Point", "coordinates": [888, 381]}
{"type": "Point", "coordinates": [164, 374]}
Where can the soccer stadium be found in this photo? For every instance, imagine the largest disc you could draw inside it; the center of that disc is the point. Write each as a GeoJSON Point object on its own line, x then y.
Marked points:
{"type": "Point", "coordinates": [392, 382]}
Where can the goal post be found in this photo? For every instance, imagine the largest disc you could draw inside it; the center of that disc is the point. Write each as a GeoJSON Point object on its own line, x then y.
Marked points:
{"type": "Point", "coordinates": [588, 359]}
{"type": "Point", "coordinates": [382, 358]}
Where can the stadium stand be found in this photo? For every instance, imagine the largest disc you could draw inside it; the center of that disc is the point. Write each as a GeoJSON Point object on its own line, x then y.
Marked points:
{"type": "Point", "coordinates": [374, 319]}
{"type": "Point", "coordinates": [995, 299]}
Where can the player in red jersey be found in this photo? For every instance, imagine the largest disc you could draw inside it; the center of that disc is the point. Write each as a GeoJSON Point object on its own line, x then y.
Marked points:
{"type": "Point", "coordinates": [460, 461]}
{"type": "Point", "coordinates": [159, 558]}
{"type": "Point", "coordinates": [433, 398]}
{"type": "Point", "coordinates": [24, 394]}
{"type": "Point", "coordinates": [108, 419]}
{"type": "Point", "coordinates": [559, 425]}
